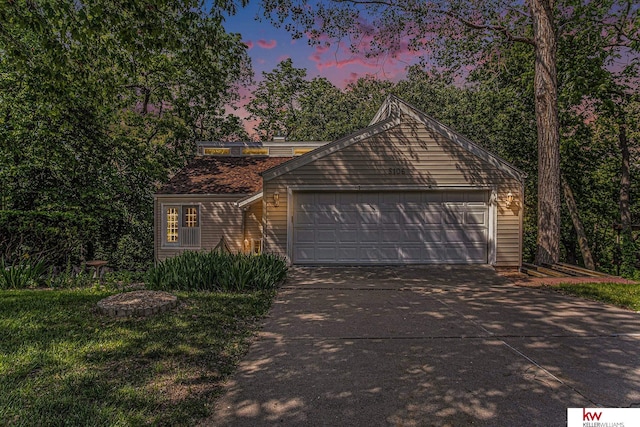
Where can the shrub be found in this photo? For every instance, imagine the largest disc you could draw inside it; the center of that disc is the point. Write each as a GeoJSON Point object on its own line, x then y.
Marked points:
{"type": "Point", "coordinates": [22, 275]}
{"type": "Point", "coordinates": [198, 271]}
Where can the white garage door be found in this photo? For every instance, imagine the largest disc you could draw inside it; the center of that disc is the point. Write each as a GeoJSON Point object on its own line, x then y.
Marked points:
{"type": "Point", "coordinates": [390, 227]}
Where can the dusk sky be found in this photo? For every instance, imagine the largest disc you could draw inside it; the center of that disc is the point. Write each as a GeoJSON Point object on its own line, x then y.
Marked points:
{"type": "Point", "coordinates": [269, 45]}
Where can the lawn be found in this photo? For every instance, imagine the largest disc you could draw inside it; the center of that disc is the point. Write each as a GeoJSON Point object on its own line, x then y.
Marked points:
{"type": "Point", "coordinates": [620, 294]}
{"type": "Point", "coordinates": [61, 363]}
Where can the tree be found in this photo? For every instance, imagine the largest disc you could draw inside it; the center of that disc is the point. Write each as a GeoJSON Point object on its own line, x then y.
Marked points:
{"type": "Point", "coordinates": [99, 102]}
{"type": "Point", "coordinates": [458, 33]}
{"type": "Point", "coordinates": [275, 101]}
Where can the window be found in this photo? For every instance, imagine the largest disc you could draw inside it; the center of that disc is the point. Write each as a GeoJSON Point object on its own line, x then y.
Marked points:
{"type": "Point", "coordinates": [181, 226]}
{"type": "Point", "coordinates": [172, 225]}
{"type": "Point", "coordinates": [190, 216]}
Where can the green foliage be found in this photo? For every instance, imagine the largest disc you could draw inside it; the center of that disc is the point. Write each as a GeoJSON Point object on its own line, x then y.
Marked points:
{"type": "Point", "coordinates": [99, 102]}
{"type": "Point", "coordinates": [207, 271]}
{"type": "Point", "coordinates": [25, 274]}
{"type": "Point", "coordinates": [621, 294]}
{"type": "Point", "coordinates": [58, 237]}
{"type": "Point", "coordinates": [275, 101]}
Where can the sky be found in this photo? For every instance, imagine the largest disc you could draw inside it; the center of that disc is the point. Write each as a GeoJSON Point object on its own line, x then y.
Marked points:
{"type": "Point", "coordinates": [269, 45]}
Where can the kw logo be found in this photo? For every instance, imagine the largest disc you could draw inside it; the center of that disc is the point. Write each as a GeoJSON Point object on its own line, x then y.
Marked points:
{"type": "Point", "coordinates": [590, 416]}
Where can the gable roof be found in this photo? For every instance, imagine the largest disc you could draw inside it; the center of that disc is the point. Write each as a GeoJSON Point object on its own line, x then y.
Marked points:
{"type": "Point", "coordinates": [389, 115]}
{"type": "Point", "coordinates": [221, 175]}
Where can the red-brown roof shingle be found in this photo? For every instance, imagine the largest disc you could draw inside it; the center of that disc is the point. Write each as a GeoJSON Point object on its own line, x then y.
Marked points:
{"type": "Point", "coordinates": [221, 175]}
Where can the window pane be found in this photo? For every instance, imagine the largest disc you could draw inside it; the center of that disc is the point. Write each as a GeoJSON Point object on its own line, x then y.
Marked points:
{"type": "Point", "coordinates": [190, 216]}
{"type": "Point", "coordinates": [172, 225]}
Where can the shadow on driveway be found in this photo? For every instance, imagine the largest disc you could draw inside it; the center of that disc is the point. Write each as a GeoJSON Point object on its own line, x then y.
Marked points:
{"type": "Point", "coordinates": [437, 345]}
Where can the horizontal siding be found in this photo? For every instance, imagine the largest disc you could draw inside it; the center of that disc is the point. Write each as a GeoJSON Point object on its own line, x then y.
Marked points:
{"type": "Point", "coordinates": [408, 155]}
{"type": "Point", "coordinates": [253, 223]}
{"type": "Point", "coordinates": [218, 218]}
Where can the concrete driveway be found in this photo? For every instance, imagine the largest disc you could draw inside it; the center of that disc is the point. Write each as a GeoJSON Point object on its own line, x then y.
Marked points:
{"type": "Point", "coordinates": [421, 346]}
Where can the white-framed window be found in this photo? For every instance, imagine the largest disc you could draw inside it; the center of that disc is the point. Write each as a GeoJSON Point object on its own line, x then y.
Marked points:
{"type": "Point", "coordinates": [181, 225]}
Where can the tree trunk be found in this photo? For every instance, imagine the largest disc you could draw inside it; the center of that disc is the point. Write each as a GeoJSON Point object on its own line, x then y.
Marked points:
{"type": "Point", "coordinates": [577, 224]}
{"type": "Point", "coordinates": [546, 105]}
{"type": "Point", "coordinates": [625, 180]}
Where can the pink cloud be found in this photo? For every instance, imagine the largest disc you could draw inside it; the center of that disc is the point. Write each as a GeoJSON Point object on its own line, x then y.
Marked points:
{"type": "Point", "coordinates": [267, 44]}
{"type": "Point", "coordinates": [248, 43]}
{"type": "Point", "coordinates": [353, 77]}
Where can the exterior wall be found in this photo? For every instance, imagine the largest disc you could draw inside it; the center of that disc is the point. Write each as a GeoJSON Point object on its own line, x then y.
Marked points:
{"type": "Point", "coordinates": [407, 156]}
{"type": "Point", "coordinates": [218, 217]}
{"type": "Point", "coordinates": [253, 222]}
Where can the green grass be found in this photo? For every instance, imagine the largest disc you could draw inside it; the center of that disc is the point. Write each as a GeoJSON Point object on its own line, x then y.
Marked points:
{"type": "Point", "coordinates": [61, 363]}
{"type": "Point", "coordinates": [620, 294]}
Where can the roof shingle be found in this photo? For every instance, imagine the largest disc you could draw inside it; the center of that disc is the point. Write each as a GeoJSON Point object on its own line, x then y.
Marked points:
{"type": "Point", "coordinates": [221, 175]}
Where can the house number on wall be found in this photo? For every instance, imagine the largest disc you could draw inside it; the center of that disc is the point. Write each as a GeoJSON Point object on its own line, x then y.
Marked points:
{"type": "Point", "coordinates": [396, 171]}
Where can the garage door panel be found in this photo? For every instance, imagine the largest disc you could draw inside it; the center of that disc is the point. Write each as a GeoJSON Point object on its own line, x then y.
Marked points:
{"type": "Point", "coordinates": [464, 235]}
{"type": "Point", "coordinates": [304, 235]}
{"type": "Point", "coordinates": [326, 218]}
{"type": "Point", "coordinates": [411, 254]}
{"type": "Point", "coordinates": [430, 235]}
{"type": "Point", "coordinates": [391, 227]}
{"type": "Point", "coordinates": [348, 217]}
{"type": "Point", "coordinates": [452, 217]}
{"type": "Point", "coordinates": [369, 217]}
{"type": "Point", "coordinates": [324, 254]}
{"type": "Point", "coordinates": [469, 253]}
{"type": "Point", "coordinates": [475, 218]}
{"type": "Point", "coordinates": [325, 199]}
{"type": "Point", "coordinates": [391, 235]}
{"type": "Point", "coordinates": [432, 217]}
{"type": "Point", "coordinates": [304, 253]}
{"type": "Point", "coordinates": [390, 218]}
{"type": "Point", "coordinates": [325, 235]}
{"type": "Point", "coordinates": [347, 235]}
{"type": "Point", "coordinates": [347, 253]}
{"type": "Point", "coordinates": [369, 234]}
{"type": "Point", "coordinates": [305, 218]}
{"type": "Point", "coordinates": [477, 197]}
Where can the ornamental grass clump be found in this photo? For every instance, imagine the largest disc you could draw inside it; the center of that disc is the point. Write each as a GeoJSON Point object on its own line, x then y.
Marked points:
{"type": "Point", "coordinates": [217, 271]}
{"type": "Point", "coordinates": [22, 275]}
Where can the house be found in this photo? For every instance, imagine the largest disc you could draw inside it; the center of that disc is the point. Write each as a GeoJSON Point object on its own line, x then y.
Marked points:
{"type": "Point", "coordinates": [406, 189]}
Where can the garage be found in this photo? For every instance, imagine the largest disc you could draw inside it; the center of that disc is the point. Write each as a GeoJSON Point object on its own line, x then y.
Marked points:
{"type": "Point", "coordinates": [391, 227]}
{"type": "Point", "coordinates": [404, 190]}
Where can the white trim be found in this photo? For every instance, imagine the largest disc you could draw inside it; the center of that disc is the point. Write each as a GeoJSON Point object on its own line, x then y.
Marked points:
{"type": "Point", "coordinates": [250, 200]}
{"type": "Point", "coordinates": [391, 187]}
{"type": "Point", "coordinates": [196, 197]}
{"type": "Point", "coordinates": [290, 202]}
{"type": "Point", "coordinates": [323, 151]}
{"type": "Point", "coordinates": [492, 232]}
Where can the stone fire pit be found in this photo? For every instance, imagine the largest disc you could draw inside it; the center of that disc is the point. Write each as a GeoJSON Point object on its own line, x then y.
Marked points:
{"type": "Point", "coordinates": [137, 303]}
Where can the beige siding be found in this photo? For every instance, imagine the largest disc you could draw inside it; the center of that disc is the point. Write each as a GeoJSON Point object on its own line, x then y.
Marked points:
{"type": "Point", "coordinates": [219, 216]}
{"type": "Point", "coordinates": [281, 151]}
{"type": "Point", "coordinates": [253, 222]}
{"type": "Point", "coordinates": [407, 155]}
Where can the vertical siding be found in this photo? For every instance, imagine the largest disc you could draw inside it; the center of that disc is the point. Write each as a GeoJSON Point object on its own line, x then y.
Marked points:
{"type": "Point", "coordinates": [218, 217]}
{"type": "Point", "coordinates": [406, 155]}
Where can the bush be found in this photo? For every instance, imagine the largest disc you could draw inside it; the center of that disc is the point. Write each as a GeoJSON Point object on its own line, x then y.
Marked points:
{"type": "Point", "coordinates": [200, 271]}
{"type": "Point", "coordinates": [58, 237]}
{"type": "Point", "coordinates": [22, 275]}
